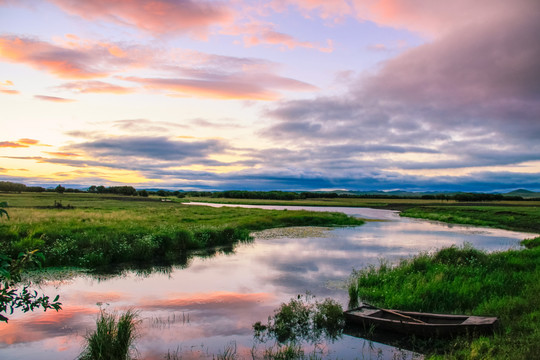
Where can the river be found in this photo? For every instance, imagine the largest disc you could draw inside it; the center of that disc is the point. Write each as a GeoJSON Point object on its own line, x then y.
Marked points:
{"type": "Point", "coordinates": [209, 304]}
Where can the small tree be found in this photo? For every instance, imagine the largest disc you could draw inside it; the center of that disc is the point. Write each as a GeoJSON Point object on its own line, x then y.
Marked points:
{"type": "Point", "coordinates": [12, 298]}
{"type": "Point", "coordinates": [60, 189]}
{"type": "Point", "coordinates": [143, 193]}
{"type": "Point", "coordinates": [3, 211]}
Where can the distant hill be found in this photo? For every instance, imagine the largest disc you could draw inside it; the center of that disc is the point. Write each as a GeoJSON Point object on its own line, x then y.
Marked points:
{"type": "Point", "coordinates": [524, 193]}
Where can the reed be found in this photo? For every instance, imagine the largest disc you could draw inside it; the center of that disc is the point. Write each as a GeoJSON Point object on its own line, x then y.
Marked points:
{"type": "Point", "coordinates": [113, 338]}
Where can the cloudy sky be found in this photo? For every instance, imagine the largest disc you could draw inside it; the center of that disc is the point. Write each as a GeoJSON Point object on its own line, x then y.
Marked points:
{"type": "Point", "coordinates": [271, 94]}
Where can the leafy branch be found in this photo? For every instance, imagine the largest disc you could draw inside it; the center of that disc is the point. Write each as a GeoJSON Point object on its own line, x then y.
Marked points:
{"type": "Point", "coordinates": [3, 211]}
{"type": "Point", "coordinates": [11, 297]}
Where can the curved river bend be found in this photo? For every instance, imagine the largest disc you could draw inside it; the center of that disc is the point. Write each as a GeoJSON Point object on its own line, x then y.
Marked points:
{"type": "Point", "coordinates": [199, 310]}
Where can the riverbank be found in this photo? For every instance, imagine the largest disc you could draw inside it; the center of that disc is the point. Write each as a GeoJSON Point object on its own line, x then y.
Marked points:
{"type": "Point", "coordinates": [509, 215]}
{"type": "Point", "coordinates": [502, 216]}
{"type": "Point", "coordinates": [91, 230]}
{"type": "Point", "coordinates": [464, 281]}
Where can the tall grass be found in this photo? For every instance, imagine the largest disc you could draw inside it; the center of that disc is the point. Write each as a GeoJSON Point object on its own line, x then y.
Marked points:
{"type": "Point", "coordinates": [113, 338]}
{"type": "Point", "coordinates": [464, 280]}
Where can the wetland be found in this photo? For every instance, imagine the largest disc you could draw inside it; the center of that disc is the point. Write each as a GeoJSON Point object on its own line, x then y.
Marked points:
{"type": "Point", "coordinates": [209, 300]}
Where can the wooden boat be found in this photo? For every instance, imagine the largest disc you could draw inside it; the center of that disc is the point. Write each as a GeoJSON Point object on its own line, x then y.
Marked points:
{"type": "Point", "coordinates": [419, 324]}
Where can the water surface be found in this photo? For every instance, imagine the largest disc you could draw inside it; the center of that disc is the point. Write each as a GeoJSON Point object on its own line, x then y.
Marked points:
{"type": "Point", "coordinates": [210, 304]}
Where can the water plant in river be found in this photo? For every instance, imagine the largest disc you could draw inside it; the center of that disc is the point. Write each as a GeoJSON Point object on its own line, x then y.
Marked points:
{"type": "Point", "coordinates": [113, 338]}
{"type": "Point", "coordinates": [303, 319]}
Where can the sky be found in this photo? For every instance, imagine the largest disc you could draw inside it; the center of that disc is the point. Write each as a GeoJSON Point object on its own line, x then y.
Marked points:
{"type": "Point", "coordinates": [297, 95]}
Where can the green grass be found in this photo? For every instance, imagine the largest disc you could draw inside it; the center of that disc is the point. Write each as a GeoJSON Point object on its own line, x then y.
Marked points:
{"type": "Point", "coordinates": [100, 230]}
{"type": "Point", "coordinates": [465, 281]}
{"type": "Point", "coordinates": [518, 218]}
{"type": "Point", "coordinates": [113, 338]}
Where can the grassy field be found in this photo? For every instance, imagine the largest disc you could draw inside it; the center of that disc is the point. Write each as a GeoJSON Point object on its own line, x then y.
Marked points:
{"type": "Point", "coordinates": [521, 218]}
{"type": "Point", "coordinates": [91, 230]}
{"type": "Point", "coordinates": [394, 204]}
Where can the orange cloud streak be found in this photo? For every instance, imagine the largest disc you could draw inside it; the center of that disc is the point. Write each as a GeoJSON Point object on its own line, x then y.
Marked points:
{"type": "Point", "coordinates": [11, 144]}
{"type": "Point", "coordinates": [8, 84]}
{"type": "Point", "coordinates": [62, 154]}
{"type": "Point", "coordinates": [53, 98]}
{"type": "Point", "coordinates": [28, 141]}
{"type": "Point", "coordinates": [98, 87]}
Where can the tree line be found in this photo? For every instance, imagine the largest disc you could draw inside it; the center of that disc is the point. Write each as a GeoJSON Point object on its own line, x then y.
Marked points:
{"type": "Point", "coordinates": [6, 186]}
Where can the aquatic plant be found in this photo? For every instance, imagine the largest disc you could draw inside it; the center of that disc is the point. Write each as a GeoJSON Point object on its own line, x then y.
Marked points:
{"type": "Point", "coordinates": [113, 338]}
{"type": "Point", "coordinates": [303, 319]}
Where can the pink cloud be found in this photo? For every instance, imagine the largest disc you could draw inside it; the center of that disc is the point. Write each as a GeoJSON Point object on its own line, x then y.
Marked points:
{"type": "Point", "coordinates": [479, 63]}
{"type": "Point", "coordinates": [99, 87]}
{"type": "Point", "coordinates": [221, 77]}
{"type": "Point", "coordinates": [428, 17]}
{"type": "Point", "coordinates": [259, 33]}
{"type": "Point", "coordinates": [155, 16]}
{"type": "Point", "coordinates": [62, 62]}
{"type": "Point", "coordinates": [245, 88]}
{"type": "Point", "coordinates": [241, 85]}
{"type": "Point", "coordinates": [53, 98]}
{"type": "Point", "coordinates": [431, 18]}
{"type": "Point", "coordinates": [335, 9]}
{"type": "Point", "coordinates": [71, 59]}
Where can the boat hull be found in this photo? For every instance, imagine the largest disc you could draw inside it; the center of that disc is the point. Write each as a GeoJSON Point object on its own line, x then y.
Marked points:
{"type": "Point", "coordinates": [420, 324]}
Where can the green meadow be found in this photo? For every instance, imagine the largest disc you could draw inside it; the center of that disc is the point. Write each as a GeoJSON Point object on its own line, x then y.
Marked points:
{"type": "Point", "coordinates": [502, 216]}
{"type": "Point", "coordinates": [91, 230]}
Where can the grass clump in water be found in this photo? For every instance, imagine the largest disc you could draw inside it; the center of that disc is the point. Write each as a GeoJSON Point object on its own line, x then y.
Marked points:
{"type": "Point", "coordinates": [303, 319]}
{"type": "Point", "coordinates": [464, 280]}
{"type": "Point", "coordinates": [113, 338]}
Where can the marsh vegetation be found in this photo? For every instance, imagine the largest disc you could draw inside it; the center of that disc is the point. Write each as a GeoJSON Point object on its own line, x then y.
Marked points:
{"type": "Point", "coordinates": [463, 280]}
{"type": "Point", "coordinates": [99, 230]}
